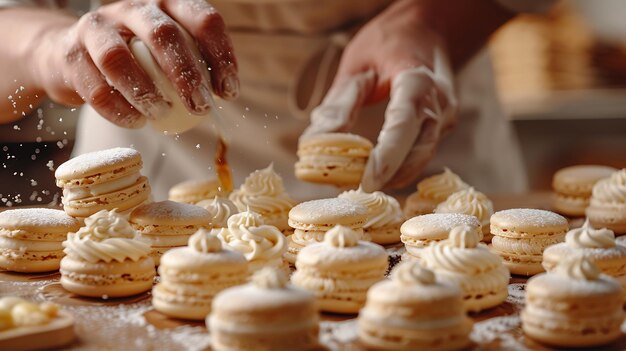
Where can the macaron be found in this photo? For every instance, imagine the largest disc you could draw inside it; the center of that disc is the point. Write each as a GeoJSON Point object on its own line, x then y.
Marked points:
{"type": "Point", "coordinates": [573, 306]}
{"type": "Point", "coordinates": [266, 314]}
{"type": "Point", "coordinates": [521, 235]}
{"type": "Point", "coordinates": [191, 276]}
{"type": "Point", "coordinates": [195, 190]}
{"type": "Point", "coordinates": [106, 258]}
{"type": "Point", "coordinates": [102, 180]}
{"type": "Point", "coordinates": [263, 192]}
{"type": "Point", "coordinates": [471, 202]}
{"type": "Point", "coordinates": [597, 245]}
{"type": "Point", "coordinates": [312, 219]}
{"type": "Point", "coordinates": [607, 207]}
{"type": "Point", "coordinates": [31, 238]}
{"type": "Point", "coordinates": [384, 215]}
{"type": "Point", "coordinates": [419, 232]}
{"type": "Point", "coordinates": [414, 310]}
{"type": "Point", "coordinates": [332, 158]}
{"type": "Point", "coordinates": [340, 270]}
{"type": "Point", "coordinates": [463, 261]}
{"type": "Point", "coordinates": [168, 224]}
{"type": "Point", "coordinates": [220, 209]}
{"type": "Point", "coordinates": [432, 191]}
{"type": "Point", "coordinates": [573, 186]}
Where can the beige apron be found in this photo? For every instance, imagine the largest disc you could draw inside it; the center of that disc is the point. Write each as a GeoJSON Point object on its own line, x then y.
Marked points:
{"type": "Point", "coordinates": [287, 52]}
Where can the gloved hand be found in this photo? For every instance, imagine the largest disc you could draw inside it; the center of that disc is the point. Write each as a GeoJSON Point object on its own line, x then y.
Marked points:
{"type": "Point", "coordinates": [393, 56]}
{"type": "Point", "coordinates": [89, 60]}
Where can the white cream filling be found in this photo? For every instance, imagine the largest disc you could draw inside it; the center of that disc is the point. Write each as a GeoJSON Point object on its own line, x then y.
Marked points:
{"type": "Point", "coordinates": [70, 194]}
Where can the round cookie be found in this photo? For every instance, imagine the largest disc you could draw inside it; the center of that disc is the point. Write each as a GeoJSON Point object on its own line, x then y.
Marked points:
{"type": "Point", "coordinates": [573, 185]}
{"type": "Point", "coordinates": [384, 215]}
{"type": "Point", "coordinates": [414, 311]}
{"type": "Point", "coordinates": [312, 219]}
{"type": "Point", "coordinates": [102, 180]}
{"type": "Point", "coordinates": [573, 306]}
{"type": "Point", "coordinates": [191, 276]}
{"type": "Point", "coordinates": [332, 158]}
{"type": "Point", "coordinates": [340, 270]}
{"type": "Point", "coordinates": [195, 190]}
{"type": "Point", "coordinates": [31, 238]}
{"type": "Point", "coordinates": [267, 314]}
{"type": "Point", "coordinates": [419, 232]}
{"type": "Point", "coordinates": [521, 235]}
{"type": "Point", "coordinates": [168, 224]}
{"type": "Point", "coordinates": [432, 191]}
{"type": "Point", "coordinates": [607, 207]}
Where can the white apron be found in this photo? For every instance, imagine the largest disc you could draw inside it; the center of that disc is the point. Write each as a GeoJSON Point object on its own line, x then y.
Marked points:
{"type": "Point", "coordinates": [288, 52]}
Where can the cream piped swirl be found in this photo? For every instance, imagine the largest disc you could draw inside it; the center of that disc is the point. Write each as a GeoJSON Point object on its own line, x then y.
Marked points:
{"type": "Point", "coordinates": [247, 234]}
{"type": "Point", "coordinates": [411, 273]}
{"type": "Point", "coordinates": [340, 236]}
{"type": "Point", "coordinates": [220, 210]}
{"type": "Point", "coordinates": [263, 192]}
{"type": "Point", "coordinates": [610, 190]}
{"type": "Point", "coordinates": [107, 236]}
{"type": "Point", "coordinates": [270, 278]}
{"type": "Point", "coordinates": [468, 201]}
{"type": "Point", "coordinates": [440, 186]}
{"type": "Point", "coordinates": [205, 241]}
{"type": "Point", "coordinates": [588, 237]}
{"type": "Point", "coordinates": [578, 267]}
{"type": "Point", "coordinates": [383, 210]}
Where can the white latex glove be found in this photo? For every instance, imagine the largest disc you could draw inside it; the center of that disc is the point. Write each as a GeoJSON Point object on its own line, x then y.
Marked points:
{"type": "Point", "coordinates": [421, 107]}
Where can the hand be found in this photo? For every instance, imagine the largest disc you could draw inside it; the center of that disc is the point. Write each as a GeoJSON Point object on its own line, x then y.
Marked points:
{"type": "Point", "coordinates": [393, 56]}
{"type": "Point", "coordinates": [89, 59]}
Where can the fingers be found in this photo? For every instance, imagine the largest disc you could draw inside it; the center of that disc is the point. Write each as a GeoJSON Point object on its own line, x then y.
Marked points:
{"type": "Point", "coordinates": [206, 25]}
{"type": "Point", "coordinates": [403, 122]}
{"type": "Point", "coordinates": [113, 58]}
{"type": "Point", "coordinates": [170, 48]}
{"type": "Point", "coordinates": [92, 87]}
{"type": "Point", "coordinates": [340, 107]}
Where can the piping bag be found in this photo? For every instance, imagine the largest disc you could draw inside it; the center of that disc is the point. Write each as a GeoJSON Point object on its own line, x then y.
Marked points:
{"type": "Point", "coordinates": [177, 119]}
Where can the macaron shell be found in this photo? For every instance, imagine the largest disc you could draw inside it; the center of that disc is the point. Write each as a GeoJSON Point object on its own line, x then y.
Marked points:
{"type": "Point", "coordinates": [579, 180]}
{"type": "Point", "coordinates": [176, 305]}
{"type": "Point", "coordinates": [611, 217]}
{"type": "Point", "coordinates": [339, 142]}
{"type": "Point", "coordinates": [417, 206]}
{"type": "Point", "coordinates": [304, 339]}
{"type": "Point", "coordinates": [436, 226]}
{"type": "Point", "coordinates": [385, 235]}
{"type": "Point", "coordinates": [98, 166]}
{"type": "Point", "coordinates": [525, 222]}
{"type": "Point", "coordinates": [326, 213]}
{"type": "Point", "coordinates": [112, 279]}
{"type": "Point", "coordinates": [37, 221]}
{"type": "Point", "coordinates": [123, 199]}
{"type": "Point", "coordinates": [526, 265]}
{"type": "Point", "coordinates": [195, 190]}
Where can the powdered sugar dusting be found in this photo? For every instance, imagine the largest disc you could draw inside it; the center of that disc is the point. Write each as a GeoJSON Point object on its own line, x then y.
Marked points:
{"type": "Point", "coordinates": [37, 217]}
{"type": "Point", "coordinates": [516, 294]}
{"type": "Point", "coordinates": [170, 211]}
{"type": "Point", "coordinates": [85, 164]}
{"type": "Point", "coordinates": [325, 210]}
{"type": "Point", "coordinates": [436, 222]}
{"type": "Point", "coordinates": [529, 217]}
{"type": "Point", "coordinates": [499, 330]}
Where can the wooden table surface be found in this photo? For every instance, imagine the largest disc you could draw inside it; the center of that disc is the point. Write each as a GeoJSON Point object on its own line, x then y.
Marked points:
{"type": "Point", "coordinates": [132, 323]}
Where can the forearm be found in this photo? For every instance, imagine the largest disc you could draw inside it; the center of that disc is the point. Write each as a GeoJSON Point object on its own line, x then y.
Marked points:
{"type": "Point", "coordinates": [464, 25]}
{"type": "Point", "coordinates": [22, 31]}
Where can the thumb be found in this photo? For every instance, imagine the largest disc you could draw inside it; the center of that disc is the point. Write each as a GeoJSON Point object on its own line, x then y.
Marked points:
{"type": "Point", "coordinates": [338, 111]}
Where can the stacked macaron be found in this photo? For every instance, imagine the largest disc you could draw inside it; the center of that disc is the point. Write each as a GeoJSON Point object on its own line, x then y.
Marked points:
{"type": "Point", "coordinates": [263, 192]}
{"type": "Point", "coordinates": [433, 191]}
{"type": "Point", "coordinates": [414, 311]}
{"type": "Point", "coordinates": [102, 180]}
{"type": "Point", "coordinates": [419, 232]}
{"type": "Point", "coordinates": [168, 224]}
{"type": "Point", "coordinates": [332, 158]}
{"type": "Point", "coordinates": [262, 245]}
{"type": "Point", "coordinates": [195, 190]}
{"type": "Point", "coordinates": [191, 276]}
{"type": "Point", "coordinates": [471, 202]}
{"type": "Point", "coordinates": [573, 306]}
{"type": "Point", "coordinates": [220, 209]}
{"type": "Point", "coordinates": [597, 245]}
{"type": "Point", "coordinates": [31, 238]}
{"type": "Point", "coordinates": [340, 270]}
{"type": "Point", "coordinates": [267, 314]}
{"type": "Point", "coordinates": [106, 258]}
{"type": "Point", "coordinates": [573, 185]}
{"type": "Point", "coordinates": [463, 261]}
{"type": "Point", "coordinates": [384, 215]}
{"type": "Point", "coordinates": [312, 219]}
{"type": "Point", "coordinates": [521, 235]}
{"type": "Point", "coordinates": [607, 207]}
